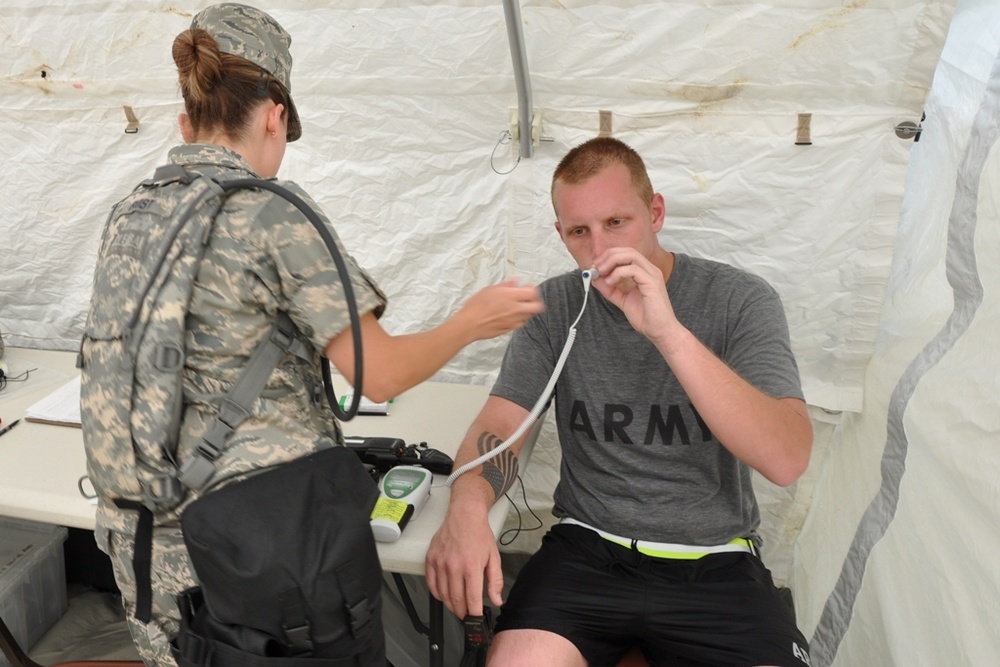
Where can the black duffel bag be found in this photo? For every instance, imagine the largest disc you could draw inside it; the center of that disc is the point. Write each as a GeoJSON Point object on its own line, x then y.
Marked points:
{"type": "Point", "coordinates": [287, 569]}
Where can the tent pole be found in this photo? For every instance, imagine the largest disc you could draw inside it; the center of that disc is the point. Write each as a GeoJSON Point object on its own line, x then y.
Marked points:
{"type": "Point", "coordinates": [515, 35]}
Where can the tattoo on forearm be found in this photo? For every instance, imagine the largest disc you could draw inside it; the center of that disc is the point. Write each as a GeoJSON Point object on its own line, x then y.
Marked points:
{"type": "Point", "coordinates": [501, 470]}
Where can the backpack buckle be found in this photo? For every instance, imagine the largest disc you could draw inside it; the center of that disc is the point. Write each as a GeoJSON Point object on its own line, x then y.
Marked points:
{"type": "Point", "coordinates": [162, 490]}
{"type": "Point", "coordinates": [170, 173]}
{"type": "Point", "coordinates": [169, 358]}
{"type": "Point", "coordinates": [196, 471]}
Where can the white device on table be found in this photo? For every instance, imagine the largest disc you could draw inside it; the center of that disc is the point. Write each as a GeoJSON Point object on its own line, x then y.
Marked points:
{"type": "Point", "coordinates": [403, 491]}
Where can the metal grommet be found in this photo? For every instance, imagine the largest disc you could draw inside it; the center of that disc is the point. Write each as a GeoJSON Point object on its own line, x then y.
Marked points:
{"type": "Point", "coordinates": [908, 130]}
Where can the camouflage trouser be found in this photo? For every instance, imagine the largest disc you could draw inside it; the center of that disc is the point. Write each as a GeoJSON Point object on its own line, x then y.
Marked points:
{"type": "Point", "coordinates": [171, 573]}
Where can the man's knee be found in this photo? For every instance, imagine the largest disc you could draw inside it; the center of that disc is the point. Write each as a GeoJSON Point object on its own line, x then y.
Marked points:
{"type": "Point", "coordinates": [533, 648]}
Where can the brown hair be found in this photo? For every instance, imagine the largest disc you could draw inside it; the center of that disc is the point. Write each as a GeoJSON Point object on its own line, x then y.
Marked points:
{"type": "Point", "coordinates": [591, 157]}
{"type": "Point", "coordinates": [220, 90]}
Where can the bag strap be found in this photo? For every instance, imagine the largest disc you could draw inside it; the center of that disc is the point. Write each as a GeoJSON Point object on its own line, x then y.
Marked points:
{"type": "Point", "coordinates": [193, 648]}
{"type": "Point", "coordinates": [142, 558]}
{"type": "Point", "coordinates": [358, 606]}
{"type": "Point", "coordinates": [296, 622]}
{"type": "Point", "coordinates": [235, 407]}
{"type": "Point", "coordinates": [209, 189]}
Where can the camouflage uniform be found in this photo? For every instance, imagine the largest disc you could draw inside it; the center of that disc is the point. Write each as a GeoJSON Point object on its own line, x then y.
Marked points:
{"type": "Point", "coordinates": [264, 256]}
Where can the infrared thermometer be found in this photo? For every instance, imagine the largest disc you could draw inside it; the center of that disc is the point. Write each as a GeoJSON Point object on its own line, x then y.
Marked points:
{"type": "Point", "coordinates": [403, 492]}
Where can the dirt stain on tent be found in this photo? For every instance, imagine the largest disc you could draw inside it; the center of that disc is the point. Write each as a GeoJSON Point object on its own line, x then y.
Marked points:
{"type": "Point", "coordinates": [174, 10]}
{"type": "Point", "coordinates": [710, 96]}
{"type": "Point", "coordinates": [834, 21]}
{"type": "Point", "coordinates": [128, 41]}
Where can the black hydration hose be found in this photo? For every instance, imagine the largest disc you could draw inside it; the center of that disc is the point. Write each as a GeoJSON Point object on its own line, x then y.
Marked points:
{"type": "Point", "coordinates": [345, 279]}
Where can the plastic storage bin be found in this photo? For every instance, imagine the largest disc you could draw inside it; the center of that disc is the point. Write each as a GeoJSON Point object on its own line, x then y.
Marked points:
{"type": "Point", "coordinates": [32, 579]}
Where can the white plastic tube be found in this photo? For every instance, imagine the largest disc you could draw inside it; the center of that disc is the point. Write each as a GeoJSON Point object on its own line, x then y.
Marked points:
{"type": "Point", "coordinates": [588, 276]}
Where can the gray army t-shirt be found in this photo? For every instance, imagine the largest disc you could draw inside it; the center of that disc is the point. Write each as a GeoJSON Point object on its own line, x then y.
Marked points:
{"type": "Point", "coordinates": [637, 459]}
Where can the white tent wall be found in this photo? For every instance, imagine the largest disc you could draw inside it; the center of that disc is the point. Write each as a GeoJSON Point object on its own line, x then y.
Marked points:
{"type": "Point", "coordinates": [404, 105]}
{"type": "Point", "coordinates": [894, 565]}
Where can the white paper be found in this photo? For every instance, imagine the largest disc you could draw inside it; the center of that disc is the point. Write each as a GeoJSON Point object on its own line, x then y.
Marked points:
{"type": "Point", "coordinates": [62, 406]}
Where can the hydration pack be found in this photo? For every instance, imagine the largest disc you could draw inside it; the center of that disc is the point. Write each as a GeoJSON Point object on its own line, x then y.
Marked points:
{"type": "Point", "coordinates": [132, 353]}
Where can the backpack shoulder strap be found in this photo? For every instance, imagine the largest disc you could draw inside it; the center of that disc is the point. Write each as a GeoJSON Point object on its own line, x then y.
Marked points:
{"type": "Point", "coordinates": [235, 407]}
{"type": "Point", "coordinates": [170, 173]}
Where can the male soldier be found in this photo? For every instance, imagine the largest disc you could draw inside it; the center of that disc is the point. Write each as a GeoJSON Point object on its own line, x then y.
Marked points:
{"type": "Point", "coordinates": [680, 381]}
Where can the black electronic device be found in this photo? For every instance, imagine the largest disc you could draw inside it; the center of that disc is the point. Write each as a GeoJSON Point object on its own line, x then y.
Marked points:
{"type": "Point", "coordinates": [385, 453]}
{"type": "Point", "coordinates": [478, 636]}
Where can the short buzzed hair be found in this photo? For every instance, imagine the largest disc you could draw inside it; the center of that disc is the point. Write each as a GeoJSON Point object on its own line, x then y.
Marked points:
{"type": "Point", "coordinates": [589, 158]}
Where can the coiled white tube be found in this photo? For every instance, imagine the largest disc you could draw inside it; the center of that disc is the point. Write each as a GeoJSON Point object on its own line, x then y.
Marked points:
{"type": "Point", "coordinates": [588, 276]}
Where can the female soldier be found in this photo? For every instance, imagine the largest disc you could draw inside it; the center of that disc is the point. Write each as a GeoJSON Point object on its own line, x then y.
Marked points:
{"type": "Point", "coordinates": [263, 257]}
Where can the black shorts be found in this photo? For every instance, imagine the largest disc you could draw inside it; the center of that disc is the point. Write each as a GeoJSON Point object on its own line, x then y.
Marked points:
{"type": "Point", "coordinates": [722, 609]}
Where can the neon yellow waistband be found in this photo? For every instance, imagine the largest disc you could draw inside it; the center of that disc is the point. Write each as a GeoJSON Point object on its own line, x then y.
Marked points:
{"type": "Point", "coordinates": [668, 549]}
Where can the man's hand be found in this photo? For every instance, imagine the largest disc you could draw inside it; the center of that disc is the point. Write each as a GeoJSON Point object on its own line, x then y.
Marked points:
{"type": "Point", "coordinates": [637, 287]}
{"type": "Point", "coordinates": [464, 551]}
{"type": "Point", "coordinates": [771, 435]}
{"type": "Point", "coordinates": [461, 553]}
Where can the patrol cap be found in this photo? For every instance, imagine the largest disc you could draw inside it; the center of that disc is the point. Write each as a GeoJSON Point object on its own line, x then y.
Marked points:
{"type": "Point", "coordinates": [253, 35]}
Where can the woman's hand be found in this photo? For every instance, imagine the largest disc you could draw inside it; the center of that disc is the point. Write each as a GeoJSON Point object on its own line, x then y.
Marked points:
{"type": "Point", "coordinates": [500, 308]}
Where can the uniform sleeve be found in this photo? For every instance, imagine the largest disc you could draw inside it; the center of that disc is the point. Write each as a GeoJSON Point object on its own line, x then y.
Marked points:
{"type": "Point", "coordinates": [310, 282]}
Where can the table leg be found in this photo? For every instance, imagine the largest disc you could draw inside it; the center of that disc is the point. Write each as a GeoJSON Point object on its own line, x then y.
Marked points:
{"type": "Point", "coordinates": [436, 636]}
{"type": "Point", "coordinates": [435, 622]}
